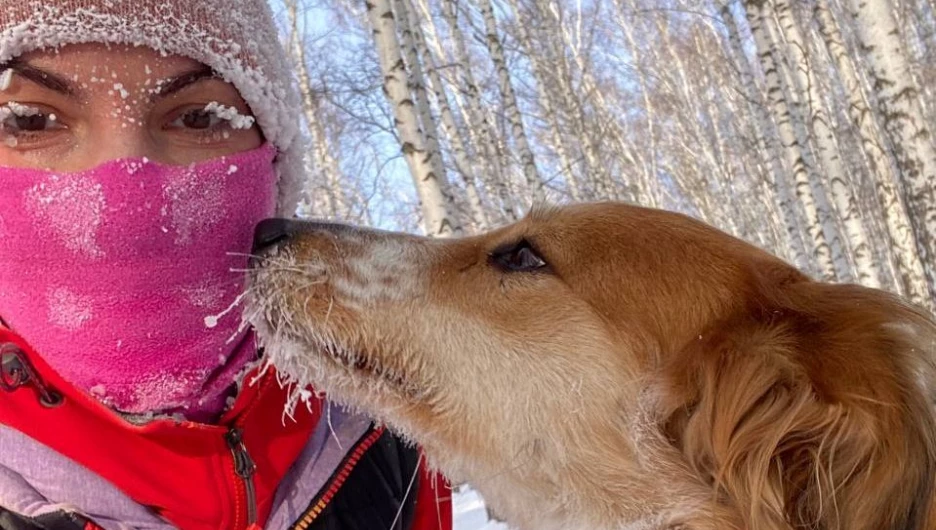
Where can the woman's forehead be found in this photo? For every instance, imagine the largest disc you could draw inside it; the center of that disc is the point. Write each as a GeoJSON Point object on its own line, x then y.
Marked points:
{"type": "Point", "coordinates": [115, 59]}
{"type": "Point", "coordinates": [125, 76]}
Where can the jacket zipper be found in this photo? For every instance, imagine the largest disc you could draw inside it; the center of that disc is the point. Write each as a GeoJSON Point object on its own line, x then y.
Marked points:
{"type": "Point", "coordinates": [245, 468]}
{"type": "Point", "coordinates": [338, 479]}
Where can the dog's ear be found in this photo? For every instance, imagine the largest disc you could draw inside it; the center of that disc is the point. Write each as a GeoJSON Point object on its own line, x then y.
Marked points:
{"type": "Point", "coordinates": [809, 410]}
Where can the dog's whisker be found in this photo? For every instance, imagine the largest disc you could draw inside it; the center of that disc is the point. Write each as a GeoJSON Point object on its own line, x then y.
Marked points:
{"type": "Point", "coordinates": [212, 320]}
{"type": "Point", "coordinates": [409, 489]}
{"type": "Point", "coordinates": [331, 426]}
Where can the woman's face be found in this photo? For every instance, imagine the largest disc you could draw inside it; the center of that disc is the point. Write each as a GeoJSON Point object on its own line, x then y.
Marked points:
{"type": "Point", "coordinates": [85, 104]}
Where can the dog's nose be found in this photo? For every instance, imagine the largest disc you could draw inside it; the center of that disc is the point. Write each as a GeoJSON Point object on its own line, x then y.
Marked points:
{"type": "Point", "coordinates": [270, 232]}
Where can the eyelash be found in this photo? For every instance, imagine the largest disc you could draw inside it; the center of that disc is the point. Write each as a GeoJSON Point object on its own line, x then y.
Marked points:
{"type": "Point", "coordinates": [228, 121]}
{"type": "Point", "coordinates": [224, 122]}
{"type": "Point", "coordinates": [13, 110]}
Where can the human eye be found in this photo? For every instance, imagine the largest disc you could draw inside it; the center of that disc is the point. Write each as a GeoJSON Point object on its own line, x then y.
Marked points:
{"type": "Point", "coordinates": [24, 123]}
{"type": "Point", "coordinates": [211, 118]}
{"type": "Point", "coordinates": [196, 119]}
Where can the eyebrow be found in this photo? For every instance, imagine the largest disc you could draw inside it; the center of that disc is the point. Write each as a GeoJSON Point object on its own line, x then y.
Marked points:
{"type": "Point", "coordinates": [64, 86]}
{"type": "Point", "coordinates": [41, 77]}
{"type": "Point", "coordinates": [185, 79]}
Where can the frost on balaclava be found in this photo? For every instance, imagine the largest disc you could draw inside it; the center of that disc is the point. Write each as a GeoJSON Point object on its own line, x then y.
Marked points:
{"type": "Point", "coordinates": [144, 289]}
{"type": "Point", "coordinates": [236, 38]}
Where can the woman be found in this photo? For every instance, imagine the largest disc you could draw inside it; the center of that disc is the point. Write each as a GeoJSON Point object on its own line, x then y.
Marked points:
{"type": "Point", "coordinates": [140, 143]}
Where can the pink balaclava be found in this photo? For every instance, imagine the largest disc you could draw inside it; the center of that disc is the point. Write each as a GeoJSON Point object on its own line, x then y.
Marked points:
{"type": "Point", "coordinates": [120, 275]}
{"type": "Point", "coordinates": [125, 277]}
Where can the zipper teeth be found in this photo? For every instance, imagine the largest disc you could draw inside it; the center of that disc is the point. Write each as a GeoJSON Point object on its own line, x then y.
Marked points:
{"type": "Point", "coordinates": [244, 469]}
{"type": "Point", "coordinates": [339, 479]}
{"type": "Point", "coordinates": [247, 482]}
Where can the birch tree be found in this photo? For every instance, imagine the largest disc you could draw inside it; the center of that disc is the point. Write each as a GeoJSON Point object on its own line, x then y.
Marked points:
{"type": "Point", "coordinates": [479, 127]}
{"type": "Point", "coordinates": [320, 160]}
{"type": "Point", "coordinates": [906, 257]}
{"type": "Point", "coordinates": [545, 100]}
{"type": "Point", "coordinates": [772, 125]}
{"type": "Point", "coordinates": [650, 168]}
{"type": "Point", "coordinates": [834, 172]}
{"type": "Point", "coordinates": [439, 215]}
{"type": "Point", "coordinates": [557, 43]}
{"type": "Point", "coordinates": [792, 137]}
{"type": "Point", "coordinates": [768, 145]}
{"type": "Point", "coordinates": [416, 53]}
{"type": "Point", "coordinates": [505, 85]}
{"type": "Point", "coordinates": [901, 116]}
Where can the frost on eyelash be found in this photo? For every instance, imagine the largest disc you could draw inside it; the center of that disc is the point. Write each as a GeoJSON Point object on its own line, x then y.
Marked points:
{"type": "Point", "coordinates": [232, 115]}
{"type": "Point", "coordinates": [13, 108]}
{"type": "Point", "coordinates": [19, 110]}
{"type": "Point", "coordinates": [6, 79]}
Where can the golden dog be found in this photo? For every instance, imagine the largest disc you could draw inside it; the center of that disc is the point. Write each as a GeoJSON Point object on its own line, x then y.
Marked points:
{"type": "Point", "coordinates": [606, 367]}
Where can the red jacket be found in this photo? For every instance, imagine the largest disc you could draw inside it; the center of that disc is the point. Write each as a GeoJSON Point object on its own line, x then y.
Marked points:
{"type": "Point", "coordinates": [196, 476]}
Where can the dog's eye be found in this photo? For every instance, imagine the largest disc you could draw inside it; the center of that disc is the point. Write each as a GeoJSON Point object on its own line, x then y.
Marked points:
{"type": "Point", "coordinates": [519, 257]}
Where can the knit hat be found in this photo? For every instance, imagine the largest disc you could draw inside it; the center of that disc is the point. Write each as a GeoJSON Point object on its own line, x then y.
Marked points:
{"type": "Point", "coordinates": [236, 38]}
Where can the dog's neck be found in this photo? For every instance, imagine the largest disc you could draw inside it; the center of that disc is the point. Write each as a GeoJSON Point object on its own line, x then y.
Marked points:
{"type": "Point", "coordinates": [552, 482]}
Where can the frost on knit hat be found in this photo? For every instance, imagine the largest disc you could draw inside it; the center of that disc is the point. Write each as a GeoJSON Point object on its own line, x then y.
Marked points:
{"type": "Point", "coordinates": [236, 38]}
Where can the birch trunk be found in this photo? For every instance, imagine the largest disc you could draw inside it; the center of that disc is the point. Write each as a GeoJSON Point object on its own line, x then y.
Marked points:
{"type": "Point", "coordinates": [651, 169]}
{"type": "Point", "coordinates": [544, 99]}
{"type": "Point", "coordinates": [505, 85]}
{"type": "Point", "coordinates": [463, 147]}
{"type": "Point", "coordinates": [909, 266]}
{"type": "Point", "coordinates": [646, 190]}
{"type": "Point", "coordinates": [321, 159]}
{"type": "Point", "coordinates": [439, 217]}
{"type": "Point", "coordinates": [901, 114]}
{"type": "Point", "coordinates": [695, 141]}
{"type": "Point", "coordinates": [792, 138]}
{"type": "Point", "coordinates": [416, 53]}
{"type": "Point", "coordinates": [804, 79]}
{"type": "Point", "coordinates": [767, 144]}
{"type": "Point", "coordinates": [602, 184]}
{"type": "Point", "coordinates": [480, 129]}
{"type": "Point", "coordinates": [687, 94]}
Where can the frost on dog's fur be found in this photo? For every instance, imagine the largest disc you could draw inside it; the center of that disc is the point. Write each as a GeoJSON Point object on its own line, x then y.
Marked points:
{"type": "Point", "coordinates": [654, 373]}
{"type": "Point", "coordinates": [296, 349]}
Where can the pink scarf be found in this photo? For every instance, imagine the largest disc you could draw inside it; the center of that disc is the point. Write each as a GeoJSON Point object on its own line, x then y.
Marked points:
{"type": "Point", "coordinates": [114, 275]}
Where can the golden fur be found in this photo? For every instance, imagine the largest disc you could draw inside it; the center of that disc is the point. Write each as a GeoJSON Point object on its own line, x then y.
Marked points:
{"type": "Point", "coordinates": [653, 373]}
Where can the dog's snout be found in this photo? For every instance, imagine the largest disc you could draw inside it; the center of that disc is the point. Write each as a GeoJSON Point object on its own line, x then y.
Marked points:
{"type": "Point", "coordinates": [270, 232]}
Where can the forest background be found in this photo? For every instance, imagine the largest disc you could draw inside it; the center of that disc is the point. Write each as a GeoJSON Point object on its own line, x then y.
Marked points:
{"type": "Point", "coordinates": [802, 126]}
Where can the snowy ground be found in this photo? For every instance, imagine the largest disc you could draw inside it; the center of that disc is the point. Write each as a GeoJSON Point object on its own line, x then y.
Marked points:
{"type": "Point", "coordinates": [469, 512]}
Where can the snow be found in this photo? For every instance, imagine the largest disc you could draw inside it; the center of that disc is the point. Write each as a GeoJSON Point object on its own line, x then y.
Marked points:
{"type": "Point", "coordinates": [17, 109]}
{"type": "Point", "coordinates": [124, 93]}
{"type": "Point", "coordinates": [205, 295]}
{"type": "Point", "coordinates": [468, 508]}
